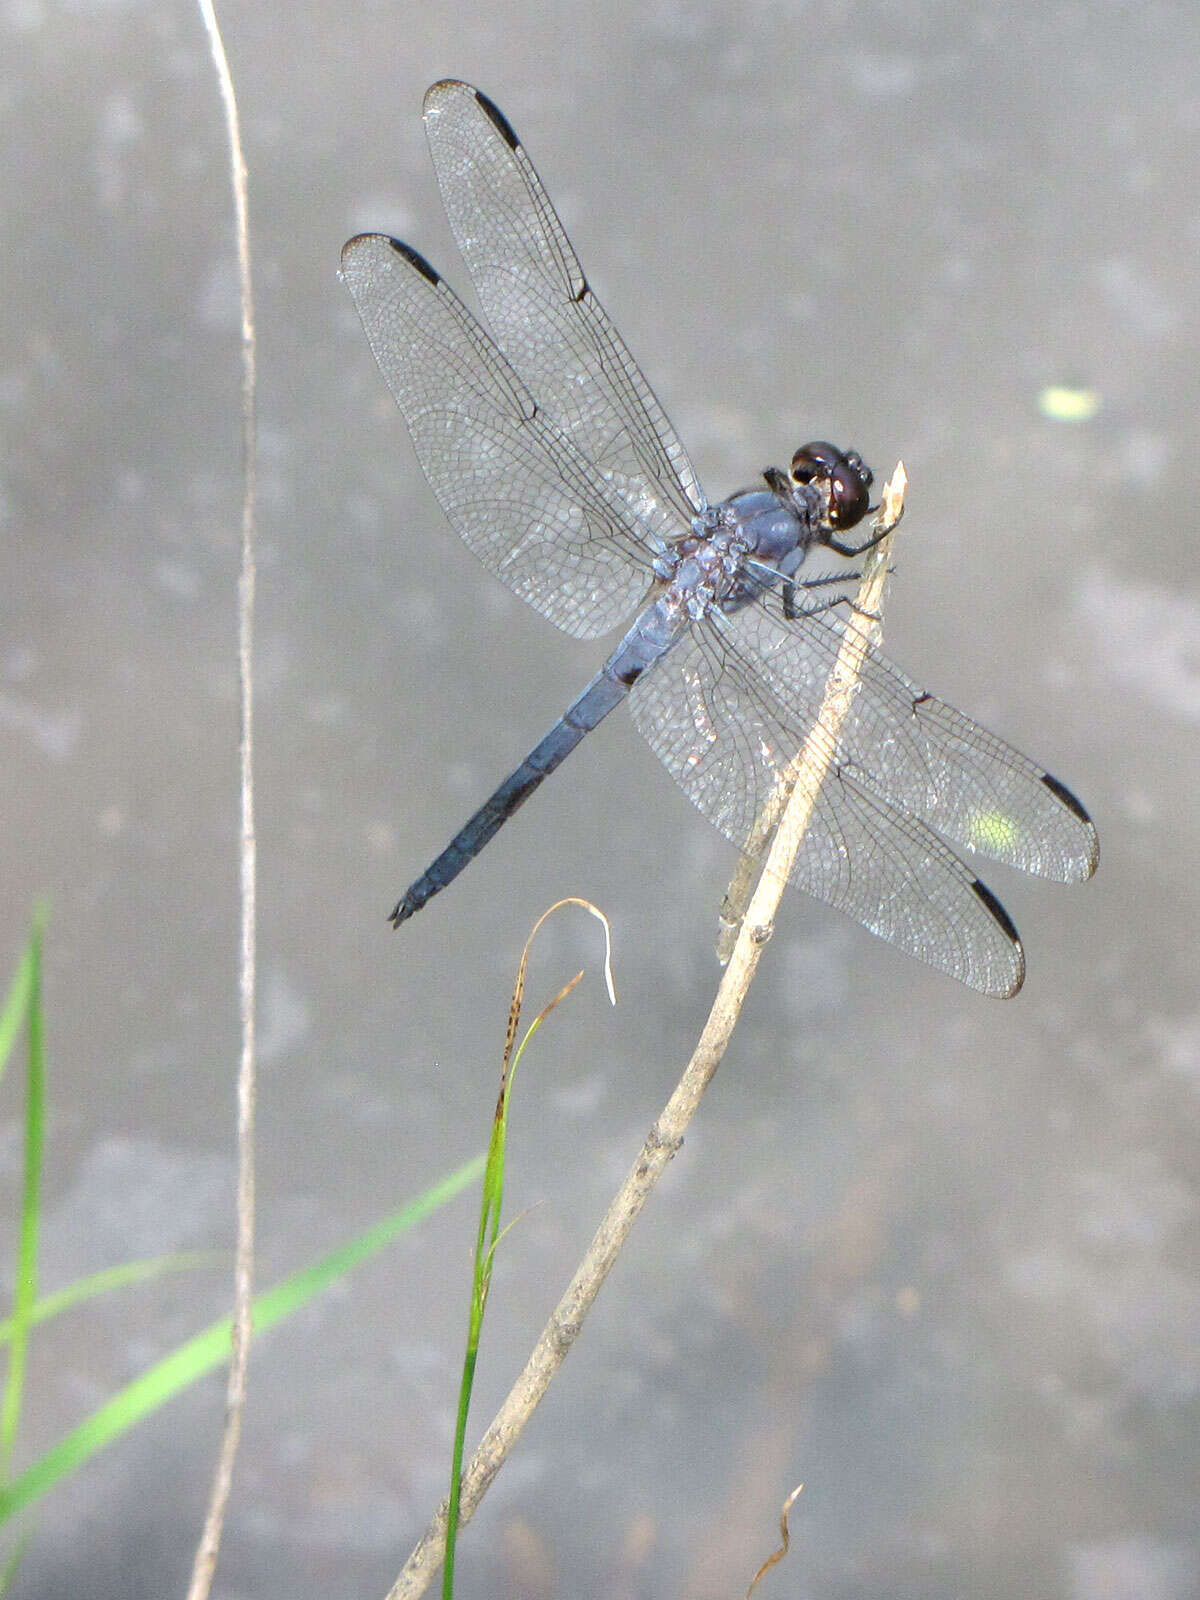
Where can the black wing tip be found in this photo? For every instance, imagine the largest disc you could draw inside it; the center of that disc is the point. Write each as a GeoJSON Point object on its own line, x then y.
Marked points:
{"type": "Point", "coordinates": [997, 911]}
{"type": "Point", "coordinates": [503, 126]}
{"type": "Point", "coordinates": [1009, 929]}
{"type": "Point", "coordinates": [1061, 792]}
{"type": "Point", "coordinates": [1091, 860]}
{"type": "Point", "coordinates": [415, 260]}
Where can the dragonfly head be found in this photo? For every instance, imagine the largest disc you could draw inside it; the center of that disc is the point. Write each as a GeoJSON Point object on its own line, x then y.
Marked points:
{"type": "Point", "coordinates": [842, 477]}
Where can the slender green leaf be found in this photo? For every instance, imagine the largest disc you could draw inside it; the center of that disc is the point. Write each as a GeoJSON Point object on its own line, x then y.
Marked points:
{"type": "Point", "coordinates": [481, 1277]}
{"type": "Point", "coordinates": [210, 1349]}
{"type": "Point", "coordinates": [488, 1237]}
{"type": "Point", "coordinates": [16, 1002]}
{"type": "Point", "coordinates": [16, 1556]}
{"type": "Point", "coordinates": [97, 1283]}
{"type": "Point", "coordinates": [25, 1287]}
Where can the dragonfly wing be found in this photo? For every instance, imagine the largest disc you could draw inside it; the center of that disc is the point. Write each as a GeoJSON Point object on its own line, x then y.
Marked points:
{"type": "Point", "coordinates": [726, 737]}
{"type": "Point", "coordinates": [542, 312]}
{"type": "Point", "coordinates": [517, 489]}
{"type": "Point", "coordinates": [902, 744]}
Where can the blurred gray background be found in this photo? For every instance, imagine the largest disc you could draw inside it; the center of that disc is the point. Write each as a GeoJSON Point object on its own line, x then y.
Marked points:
{"type": "Point", "coordinates": [933, 1255]}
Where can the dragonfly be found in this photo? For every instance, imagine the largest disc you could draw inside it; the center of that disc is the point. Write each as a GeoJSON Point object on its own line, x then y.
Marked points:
{"type": "Point", "coordinates": [552, 458]}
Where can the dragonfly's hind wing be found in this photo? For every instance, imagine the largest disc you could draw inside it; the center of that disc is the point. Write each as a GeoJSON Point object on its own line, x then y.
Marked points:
{"type": "Point", "coordinates": [517, 489]}
{"type": "Point", "coordinates": [542, 311]}
{"type": "Point", "coordinates": [725, 736]}
{"type": "Point", "coordinates": [904, 745]}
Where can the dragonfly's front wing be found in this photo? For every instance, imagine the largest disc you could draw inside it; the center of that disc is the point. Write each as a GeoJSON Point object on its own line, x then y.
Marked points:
{"type": "Point", "coordinates": [534, 510]}
{"type": "Point", "coordinates": [541, 309]}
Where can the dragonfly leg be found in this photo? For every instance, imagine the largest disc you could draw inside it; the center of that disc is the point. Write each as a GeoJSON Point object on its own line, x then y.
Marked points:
{"type": "Point", "coordinates": [791, 610]}
{"type": "Point", "coordinates": [819, 607]}
{"type": "Point", "coordinates": [841, 549]}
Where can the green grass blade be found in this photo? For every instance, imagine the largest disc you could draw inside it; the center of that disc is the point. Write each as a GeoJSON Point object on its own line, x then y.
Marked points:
{"type": "Point", "coordinates": [25, 1287]}
{"type": "Point", "coordinates": [486, 1241]}
{"type": "Point", "coordinates": [97, 1283]}
{"type": "Point", "coordinates": [210, 1348]}
{"type": "Point", "coordinates": [481, 1277]}
{"type": "Point", "coordinates": [491, 1205]}
{"type": "Point", "coordinates": [15, 1558]}
{"type": "Point", "coordinates": [16, 1002]}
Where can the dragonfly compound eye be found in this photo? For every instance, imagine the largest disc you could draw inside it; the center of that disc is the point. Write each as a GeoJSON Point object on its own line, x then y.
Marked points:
{"type": "Point", "coordinates": [846, 476]}
{"type": "Point", "coordinates": [815, 460]}
{"type": "Point", "coordinates": [849, 491]}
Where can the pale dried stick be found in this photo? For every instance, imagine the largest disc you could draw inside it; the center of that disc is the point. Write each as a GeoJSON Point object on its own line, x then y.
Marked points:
{"type": "Point", "coordinates": [804, 778]}
{"type": "Point", "coordinates": [205, 1561]}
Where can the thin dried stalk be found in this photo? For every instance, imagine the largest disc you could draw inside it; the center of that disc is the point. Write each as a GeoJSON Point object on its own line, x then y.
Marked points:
{"type": "Point", "coordinates": [800, 787]}
{"type": "Point", "coordinates": [785, 1542]}
{"type": "Point", "coordinates": [205, 1561]}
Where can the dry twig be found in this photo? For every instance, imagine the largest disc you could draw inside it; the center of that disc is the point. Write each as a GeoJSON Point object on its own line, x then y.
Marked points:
{"type": "Point", "coordinates": [243, 1291]}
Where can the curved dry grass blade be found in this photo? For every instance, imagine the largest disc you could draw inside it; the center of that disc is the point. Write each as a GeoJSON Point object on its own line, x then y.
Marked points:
{"type": "Point", "coordinates": [777, 1555]}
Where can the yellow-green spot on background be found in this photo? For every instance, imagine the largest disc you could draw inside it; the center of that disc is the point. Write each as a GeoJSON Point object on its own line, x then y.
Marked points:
{"type": "Point", "coordinates": [1063, 403]}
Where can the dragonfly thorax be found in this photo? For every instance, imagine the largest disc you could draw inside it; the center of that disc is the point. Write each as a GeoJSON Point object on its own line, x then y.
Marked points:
{"type": "Point", "coordinates": [706, 565]}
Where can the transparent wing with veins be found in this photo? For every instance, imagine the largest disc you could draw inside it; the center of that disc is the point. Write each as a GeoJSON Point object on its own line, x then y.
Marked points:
{"type": "Point", "coordinates": [514, 485]}
{"type": "Point", "coordinates": [543, 313]}
{"type": "Point", "coordinates": [915, 751]}
{"type": "Point", "coordinates": [729, 708]}
{"type": "Point", "coordinates": [727, 738]}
